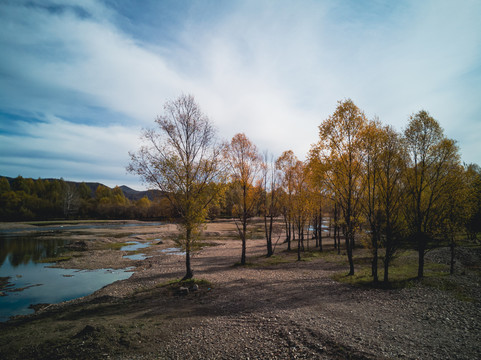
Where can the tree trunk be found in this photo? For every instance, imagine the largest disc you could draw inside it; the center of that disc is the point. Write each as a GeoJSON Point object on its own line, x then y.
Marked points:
{"type": "Point", "coordinates": [293, 234]}
{"type": "Point", "coordinates": [386, 268]}
{"type": "Point", "coordinates": [330, 225]}
{"type": "Point", "coordinates": [299, 248]}
{"type": "Point", "coordinates": [451, 269]}
{"type": "Point", "coordinates": [349, 255]}
{"type": "Point", "coordinates": [288, 238]}
{"type": "Point", "coordinates": [301, 234]}
{"type": "Point", "coordinates": [320, 230]}
{"type": "Point", "coordinates": [189, 273]}
{"type": "Point", "coordinates": [268, 231]}
{"type": "Point", "coordinates": [188, 270]}
{"type": "Point", "coordinates": [337, 238]}
{"type": "Point", "coordinates": [270, 251]}
{"type": "Point", "coordinates": [244, 226]}
{"type": "Point", "coordinates": [338, 241]}
{"type": "Point", "coordinates": [374, 260]}
{"type": "Point", "coordinates": [421, 251]}
{"type": "Point", "coordinates": [307, 238]}
{"type": "Point", "coordinates": [244, 230]}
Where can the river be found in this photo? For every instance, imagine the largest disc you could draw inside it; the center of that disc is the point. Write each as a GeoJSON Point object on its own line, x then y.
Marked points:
{"type": "Point", "coordinates": [26, 279]}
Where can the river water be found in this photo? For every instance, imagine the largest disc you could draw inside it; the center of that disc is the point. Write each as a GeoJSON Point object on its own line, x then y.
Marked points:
{"type": "Point", "coordinates": [25, 279]}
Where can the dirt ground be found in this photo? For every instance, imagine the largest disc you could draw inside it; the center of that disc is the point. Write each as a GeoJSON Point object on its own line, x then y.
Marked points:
{"type": "Point", "coordinates": [270, 309]}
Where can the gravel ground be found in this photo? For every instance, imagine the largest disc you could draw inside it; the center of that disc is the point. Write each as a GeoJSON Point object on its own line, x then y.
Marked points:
{"type": "Point", "coordinates": [285, 311]}
{"type": "Point", "coordinates": [297, 311]}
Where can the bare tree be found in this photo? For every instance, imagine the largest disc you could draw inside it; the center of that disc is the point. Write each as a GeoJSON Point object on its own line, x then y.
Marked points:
{"type": "Point", "coordinates": [270, 190]}
{"type": "Point", "coordinates": [285, 165]}
{"type": "Point", "coordinates": [245, 164]}
{"type": "Point", "coordinates": [183, 159]}
{"type": "Point", "coordinates": [71, 199]}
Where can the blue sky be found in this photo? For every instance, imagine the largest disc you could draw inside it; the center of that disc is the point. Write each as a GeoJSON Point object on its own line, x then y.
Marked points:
{"type": "Point", "coordinates": [80, 79]}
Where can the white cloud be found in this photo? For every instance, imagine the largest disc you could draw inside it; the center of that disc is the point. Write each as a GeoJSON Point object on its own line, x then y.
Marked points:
{"type": "Point", "coordinates": [271, 70]}
{"type": "Point", "coordinates": [87, 57]}
{"type": "Point", "coordinates": [57, 148]}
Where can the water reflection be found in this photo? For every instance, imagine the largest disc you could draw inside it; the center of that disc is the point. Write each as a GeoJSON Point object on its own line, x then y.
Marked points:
{"type": "Point", "coordinates": [20, 250]}
{"type": "Point", "coordinates": [25, 280]}
{"type": "Point", "coordinates": [134, 246]}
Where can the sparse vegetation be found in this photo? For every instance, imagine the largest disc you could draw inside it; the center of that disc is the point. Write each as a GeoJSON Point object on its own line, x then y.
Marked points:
{"type": "Point", "coordinates": [56, 259]}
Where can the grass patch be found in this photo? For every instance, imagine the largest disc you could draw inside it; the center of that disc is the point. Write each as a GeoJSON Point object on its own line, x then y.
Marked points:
{"type": "Point", "coordinates": [361, 277]}
{"type": "Point", "coordinates": [274, 260]}
{"type": "Point", "coordinates": [290, 256]}
{"type": "Point", "coordinates": [311, 255]}
{"type": "Point", "coordinates": [330, 256]}
{"type": "Point", "coordinates": [118, 236]}
{"type": "Point", "coordinates": [403, 274]}
{"type": "Point", "coordinates": [55, 259]}
{"type": "Point", "coordinates": [247, 264]}
{"type": "Point", "coordinates": [112, 246]}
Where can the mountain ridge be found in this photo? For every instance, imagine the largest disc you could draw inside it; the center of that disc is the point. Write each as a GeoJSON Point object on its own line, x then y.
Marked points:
{"type": "Point", "coordinates": [129, 193]}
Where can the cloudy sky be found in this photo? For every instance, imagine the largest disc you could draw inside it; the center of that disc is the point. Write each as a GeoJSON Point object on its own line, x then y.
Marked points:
{"type": "Point", "coordinates": [80, 79]}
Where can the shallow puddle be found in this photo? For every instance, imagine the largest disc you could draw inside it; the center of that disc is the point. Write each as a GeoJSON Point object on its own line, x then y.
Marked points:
{"type": "Point", "coordinates": [134, 246]}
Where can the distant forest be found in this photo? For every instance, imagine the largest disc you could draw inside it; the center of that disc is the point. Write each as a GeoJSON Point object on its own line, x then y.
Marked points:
{"type": "Point", "coordinates": [25, 199]}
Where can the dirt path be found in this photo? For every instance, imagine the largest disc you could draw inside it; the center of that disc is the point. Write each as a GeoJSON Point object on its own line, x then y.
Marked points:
{"type": "Point", "coordinates": [285, 311]}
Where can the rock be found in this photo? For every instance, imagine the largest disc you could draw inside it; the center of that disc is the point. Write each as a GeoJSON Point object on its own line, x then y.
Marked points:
{"type": "Point", "coordinates": [183, 291]}
{"type": "Point", "coordinates": [195, 287]}
{"type": "Point", "coordinates": [38, 307]}
{"type": "Point", "coordinates": [89, 331]}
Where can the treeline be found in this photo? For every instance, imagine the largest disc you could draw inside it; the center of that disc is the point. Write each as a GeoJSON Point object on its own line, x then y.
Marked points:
{"type": "Point", "coordinates": [380, 189]}
{"type": "Point", "coordinates": [23, 199]}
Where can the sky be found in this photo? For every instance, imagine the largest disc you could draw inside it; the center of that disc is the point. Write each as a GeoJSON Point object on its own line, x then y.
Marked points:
{"type": "Point", "coordinates": [79, 80]}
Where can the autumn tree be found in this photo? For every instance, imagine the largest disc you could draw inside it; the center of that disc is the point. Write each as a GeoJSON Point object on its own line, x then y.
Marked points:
{"type": "Point", "coordinates": [431, 156]}
{"type": "Point", "coordinates": [270, 194]}
{"type": "Point", "coordinates": [455, 207]}
{"type": "Point", "coordinates": [315, 178]}
{"type": "Point", "coordinates": [372, 143]}
{"type": "Point", "coordinates": [392, 164]}
{"type": "Point", "coordinates": [285, 164]}
{"type": "Point", "coordinates": [340, 149]}
{"type": "Point", "coordinates": [473, 225]}
{"type": "Point", "coordinates": [4, 185]}
{"type": "Point", "coordinates": [183, 159]}
{"type": "Point", "coordinates": [244, 163]}
{"type": "Point", "coordinates": [301, 203]}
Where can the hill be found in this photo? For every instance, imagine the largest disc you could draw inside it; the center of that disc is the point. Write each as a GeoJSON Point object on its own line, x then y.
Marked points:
{"type": "Point", "coordinates": [132, 194]}
{"type": "Point", "coordinates": [129, 193]}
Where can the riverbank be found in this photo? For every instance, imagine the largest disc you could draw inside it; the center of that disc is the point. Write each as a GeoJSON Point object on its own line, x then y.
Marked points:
{"type": "Point", "coordinates": [271, 308]}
